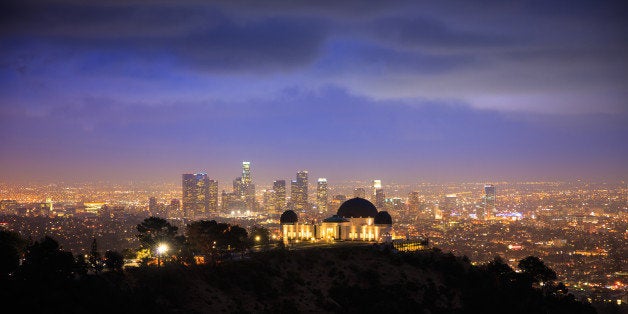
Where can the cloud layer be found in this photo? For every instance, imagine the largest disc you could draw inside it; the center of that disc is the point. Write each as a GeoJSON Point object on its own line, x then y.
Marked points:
{"type": "Point", "coordinates": [453, 76]}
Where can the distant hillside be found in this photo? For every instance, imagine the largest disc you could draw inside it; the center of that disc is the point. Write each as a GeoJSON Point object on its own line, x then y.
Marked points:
{"type": "Point", "coordinates": [343, 280]}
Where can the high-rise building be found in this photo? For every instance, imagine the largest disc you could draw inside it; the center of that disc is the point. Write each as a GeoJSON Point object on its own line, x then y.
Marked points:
{"type": "Point", "coordinates": [213, 196]}
{"type": "Point", "coordinates": [488, 202]}
{"type": "Point", "coordinates": [246, 172]}
{"type": "Point", "coordinates": [377, 185]}
{"type": "Point", "coordinates": [298, 191]}
{"type": "Point", "coordinates": [227, 200]}
{"type": "Point", "coordinates": [269, 201]}
{"type": "Point", "coordinates": [279, 186]}
{"type": "Point", "coordinates": [174, 209]}
{"type": "Point", "coordinates": [337, 200]}
{"type": "Point", "coordinates": [359, 192]}
{"type": "Point", "coordinates": [238, 187]}
{"type": "Point", "coordinates": [380, 199]}
{"type": "Point", "coordinates": [449, 205]}
{"type": "Point", "coordinates": [321, 195]}
{"type": "Point", "coordinates": [152, 206]}
{"type": "Point", "coordinates": [243, 186]}
{"type": "Point", "coordinates": [195, 195]}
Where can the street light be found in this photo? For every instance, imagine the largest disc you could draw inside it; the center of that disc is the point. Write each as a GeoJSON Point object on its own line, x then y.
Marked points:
{"type": "Point", "coordinates": [162, 248]}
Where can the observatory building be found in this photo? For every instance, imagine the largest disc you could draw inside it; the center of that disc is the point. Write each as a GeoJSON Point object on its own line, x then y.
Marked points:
{"type": "Point", "coordinates": [356, 220]}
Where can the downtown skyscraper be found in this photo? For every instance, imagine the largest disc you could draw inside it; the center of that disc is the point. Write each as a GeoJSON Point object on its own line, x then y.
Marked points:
{"type": "Point", "coordinates": [488, 202]}
{"type": "Point", "coordinates": [244, 189]}
{"type": "Point", "coordinates": [196, 196]}
{"type": "Point", "coordinates": [298, 191]}
{"type": "Point", "coordinates": [248, 188]}
{"type": "Point", "coordinates": [279, 186]}
{"type": "Point", "coordinates": [321, 195]}
{"type": "Point", "coordinates": [379, 197]}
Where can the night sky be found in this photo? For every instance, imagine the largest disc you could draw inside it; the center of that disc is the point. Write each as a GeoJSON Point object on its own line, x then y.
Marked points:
{"type": "Point", "coordinates": [395, 90]}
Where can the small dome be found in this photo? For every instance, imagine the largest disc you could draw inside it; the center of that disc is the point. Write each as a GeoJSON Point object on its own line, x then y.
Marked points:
{"type": "Point", "coordinates": [288, 217]}
{"type": "Point", "coordinates": [357, 207]}
{"type": "Point", "coordinates": [383, 218]}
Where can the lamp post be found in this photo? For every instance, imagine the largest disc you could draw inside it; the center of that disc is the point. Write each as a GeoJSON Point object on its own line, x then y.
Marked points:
{"type": "Point", "coordinates": [161, 249]}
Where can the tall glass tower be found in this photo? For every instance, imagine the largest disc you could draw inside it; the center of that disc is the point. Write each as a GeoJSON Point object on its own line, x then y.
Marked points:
{"type": "Point", "coordinates": [195, 195]}
{"type": "Point", "coordinates": [248, 188]}
{"type": "Point", "coordinates": [279, 186]}
{"type": "Point", "coordinates": [298, 191]}
{"type": "Point", "coordinates": [489, 201]}
{"type": "Point", "coordinates": [321, 195]}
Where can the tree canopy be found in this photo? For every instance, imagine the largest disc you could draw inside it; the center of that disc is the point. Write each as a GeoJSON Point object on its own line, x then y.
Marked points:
{"type": "Point", "coordinates": [11, 248]}
{"type": "Point", "coordinates": [536, 270]}
{"type": "Point", "coordinates": [205, 237]}
{"type": "Point", "coordinates": [155, 230]}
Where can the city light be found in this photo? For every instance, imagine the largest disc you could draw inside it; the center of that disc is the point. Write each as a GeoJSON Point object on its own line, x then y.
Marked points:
{"type": "Point", "coordinates": [162, 249]}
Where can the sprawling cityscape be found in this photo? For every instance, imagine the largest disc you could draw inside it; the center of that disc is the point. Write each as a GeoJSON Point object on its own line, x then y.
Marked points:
{"type": "Point", "coordinates": [280, 156]}
{"type": "Point", "coordinates": [578, 228]}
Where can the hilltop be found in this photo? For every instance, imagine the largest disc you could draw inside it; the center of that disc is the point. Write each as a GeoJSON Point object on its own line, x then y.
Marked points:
{"type": "Point", "coordinates": [347, 280]}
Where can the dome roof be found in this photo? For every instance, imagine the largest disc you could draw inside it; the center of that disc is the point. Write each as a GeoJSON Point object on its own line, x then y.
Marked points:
{"type": "Point", "coordinates": [383, 218]}
{"type": "Point", "coordinates": [357, 207]}
{"type": "Point", "coordinates": [288, 217]}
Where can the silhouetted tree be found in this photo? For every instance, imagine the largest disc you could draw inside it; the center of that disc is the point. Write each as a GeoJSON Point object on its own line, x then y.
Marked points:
{"type": "Point", "coordinates": [499, 269]}
{"type": "Point", "coordinates": [154, 230]}
{"type": "Point", "coordinates": [202, 236]}
{"type": "Point", "coordinates": [46, 261]}
{"type": "Point", "coordinates": [114, 261]}
{"type": "Point", "coordinates": [205, 236]}
{"type": "Point", "coordinates": [536, 270]}
{"type": "Point", "coordinates": [259, 236]}
{"type": "Point", "coordinates": [237, 238]}
{"type": "Point", "coordinates": [11, 248]}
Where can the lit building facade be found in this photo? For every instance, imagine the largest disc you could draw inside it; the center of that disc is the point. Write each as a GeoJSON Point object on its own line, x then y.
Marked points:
{"type": "Point", "coordinates": [488, 202]}
{"type": "Point", "coordinates": [279, 186]}
{"type": "Point", "coordinates": [213, 196]}
{"type": "Point", "coordinates": [379, 198]}
{"type": "Point", "coordinates": [321, 195]}
{"type": "Point", "coordinates": [299, 191]}
{"type": "Point", "coordinates": [195, 195]}
{"type": "Point", "coordinates": [356, 220]}
{"type": "Point", "coordinates": [247, 186]}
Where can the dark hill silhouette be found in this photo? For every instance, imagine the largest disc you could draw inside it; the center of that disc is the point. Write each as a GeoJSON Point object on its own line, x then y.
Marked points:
{"type": "Point", "coordinates": [334, 280]}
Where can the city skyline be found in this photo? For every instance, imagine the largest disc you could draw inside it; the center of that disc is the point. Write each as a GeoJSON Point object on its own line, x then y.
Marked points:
{"type": "Point", "coordinates": [398, 90]}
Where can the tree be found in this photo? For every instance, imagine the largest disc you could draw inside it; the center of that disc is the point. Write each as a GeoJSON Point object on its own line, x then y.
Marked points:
{"type": "Point", "coordinates": [536, 270]}
{"type": "Point", "coordinates": [236, 238]}
{"type": "Point", "coordinates": [155, 230]}
{"type": "Point", "coordinates": [207, 237]}
{"type": "Point", "coordinates": [11, 248]}
{"type": "Point", "coordinates": [46, 261]}
{"type": "Point", "coordinates": [499, 269]}
{"type": "Point", "coordinates": [114, 261]}
{"type": "Point", "coordinates": [202, 236]}
{"type": "Point", "coordinates": [259, 236]}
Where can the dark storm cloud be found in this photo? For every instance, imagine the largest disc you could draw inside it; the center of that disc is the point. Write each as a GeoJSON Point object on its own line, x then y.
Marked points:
{"type": "Point", "coordinates": [200, 35]}
{"type": "Point", "coordinates": [419, 32]}
{"type": "Point", "coordinates": [361, 58]}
